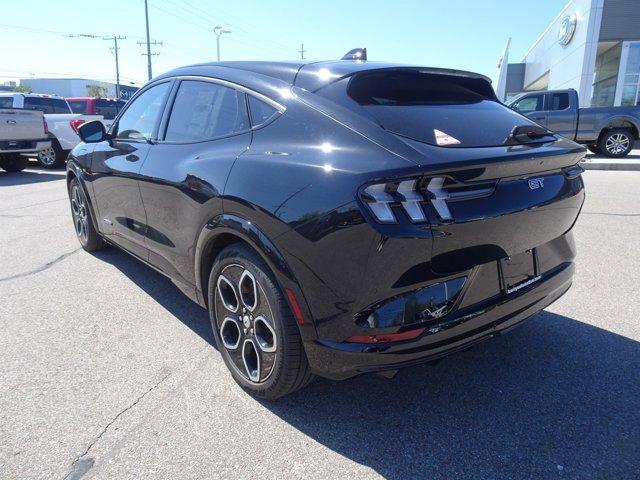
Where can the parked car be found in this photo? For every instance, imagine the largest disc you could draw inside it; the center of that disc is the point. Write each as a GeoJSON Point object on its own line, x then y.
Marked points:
{"type": "Point", "coordinates": [108, 108]}
{"type": "Point", "coordinates": [609, 131]}
{"type": "Point", "coordinates": [21, 131]}
{"type": "Point", "coordinates": [62, 123]}
{"type": "Point", "coordinates": [336, 218]}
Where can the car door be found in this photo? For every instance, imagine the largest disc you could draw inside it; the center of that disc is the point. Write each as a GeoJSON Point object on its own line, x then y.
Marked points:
{"type": "Point", "coordinates": [115, 168]}
{"type": "Point", "coordinates": [183, 177]}
{"type": "Point", "coordinates": [560, 117]}
{"type": "Point", "coordinates": [533, 107]}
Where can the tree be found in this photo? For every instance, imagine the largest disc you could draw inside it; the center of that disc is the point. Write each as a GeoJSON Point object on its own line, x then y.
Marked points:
{"type": "Point", "coordinates": [97, 91]}
{"type": "Point", "coordinates": [21, 89]}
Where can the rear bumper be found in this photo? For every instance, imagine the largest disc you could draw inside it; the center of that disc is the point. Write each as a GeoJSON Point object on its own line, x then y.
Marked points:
{"type": "Point", "coordinates": [24, 146]}
{"type": "Point", "coordinates": [469, 326]}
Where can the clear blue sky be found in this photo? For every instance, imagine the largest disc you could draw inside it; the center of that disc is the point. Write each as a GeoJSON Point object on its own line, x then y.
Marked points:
{"type": "Point", "coordinates": [465, 34]}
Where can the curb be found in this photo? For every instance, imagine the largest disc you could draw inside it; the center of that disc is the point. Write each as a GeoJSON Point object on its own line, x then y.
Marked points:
{"type": "Point", "coordinates": [617, 166]}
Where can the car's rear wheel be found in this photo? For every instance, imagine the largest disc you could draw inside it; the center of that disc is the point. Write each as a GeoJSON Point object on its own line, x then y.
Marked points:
{"type": "Point", "coordinates": [53, 156]}
{"type": "Point", "coordinates": [13, 162]}
{"type": "Point", "coordinates": [616, 143]}
{"type": "Point", "coordinates": [90, 240]}
{"type": "Point", "coordinates": [254, 329]}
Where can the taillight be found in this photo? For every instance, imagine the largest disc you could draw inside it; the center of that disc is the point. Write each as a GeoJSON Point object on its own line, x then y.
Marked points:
{"type": "Point", "coordinates": [46, 127]}
{"type": "Point", "coordinates": [75, 123]}
{"type": "Point", "coordinates": [414, 194]}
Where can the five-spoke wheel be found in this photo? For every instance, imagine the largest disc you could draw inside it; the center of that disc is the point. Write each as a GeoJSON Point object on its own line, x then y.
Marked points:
{"type": "Point", "coordinates": [245, 323]}
{"type": "Point", "coordinates": [255, 331]}
{"type": "Point", "coordinates": [81, 215]}
{"type": "Point", "coordinates": [617, 142]}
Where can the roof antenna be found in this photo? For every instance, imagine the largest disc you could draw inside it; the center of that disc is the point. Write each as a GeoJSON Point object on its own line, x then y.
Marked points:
{"type": "Point", "coordinates": [356, 54]}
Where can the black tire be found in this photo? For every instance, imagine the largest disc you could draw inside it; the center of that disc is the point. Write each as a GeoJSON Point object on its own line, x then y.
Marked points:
{"type": "Point", "coordinates": [13, 162]}
{"type": "Point", "coordinates": [276, 373]}
{"type": "Point", "coordinates": [52, 157]}
{"type": "Point", "coordinates": [593, 148]}
{"type": "Point", "coordinates": [90, 240]}
{"type": "Point", "coordinates": [616, 143]}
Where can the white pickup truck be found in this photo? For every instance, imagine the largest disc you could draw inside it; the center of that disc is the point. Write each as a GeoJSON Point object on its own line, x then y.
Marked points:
{"type": "Point", "coordinates": [61, 122]}
{"type": "Point", "coordinates": [21, 131]}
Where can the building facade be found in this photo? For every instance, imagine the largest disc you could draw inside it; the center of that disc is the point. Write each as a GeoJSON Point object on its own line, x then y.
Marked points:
{"type": "Point", "coordinates": [592, 46]}
{"type": "Point", "coordinates": [76, 87]}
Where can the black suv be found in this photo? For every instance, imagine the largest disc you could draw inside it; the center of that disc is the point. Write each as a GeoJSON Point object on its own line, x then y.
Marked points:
{"type": "Point", "coordinates": [335, 218]}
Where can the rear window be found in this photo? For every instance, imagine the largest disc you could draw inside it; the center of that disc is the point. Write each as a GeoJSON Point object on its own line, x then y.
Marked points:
{"type": "Point", "coordinates": [443, 110]}
{"type": "Point", "coordinates": [78, 106]}
{"type": "Point", "coordinates": [38, 103]}
{"type": "Point", "coordinates": [60, 105]}
{"type": "Point", "coordinates": [108, 108]}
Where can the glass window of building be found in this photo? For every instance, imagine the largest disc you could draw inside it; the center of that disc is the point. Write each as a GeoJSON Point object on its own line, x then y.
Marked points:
{"type": "Point", "coordinates": [606, 74]}
{"type": "Point", "coordinates": [631, 80]}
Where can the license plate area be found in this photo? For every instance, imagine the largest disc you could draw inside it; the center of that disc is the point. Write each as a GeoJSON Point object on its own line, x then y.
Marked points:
{"type": "Point", "coordinates": [518, 271]}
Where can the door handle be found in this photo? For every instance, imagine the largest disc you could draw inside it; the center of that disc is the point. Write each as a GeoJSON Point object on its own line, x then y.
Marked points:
{"type": "Point", "coordinates": [132, 158]}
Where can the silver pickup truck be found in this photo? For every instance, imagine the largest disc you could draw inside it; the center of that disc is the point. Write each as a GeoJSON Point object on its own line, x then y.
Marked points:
{"type": "Point", "coordinates": [21, 131]}
{"type": "Point", "coordinates": [610, 131]}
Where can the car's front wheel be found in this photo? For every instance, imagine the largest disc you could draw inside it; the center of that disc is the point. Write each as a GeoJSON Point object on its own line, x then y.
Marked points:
{"type": "Point", "coordinates": [90, 240]}
{"type": "Point", "coordinates": [616, 143]}
{"type": "Point", "coordinates": [254, 329]}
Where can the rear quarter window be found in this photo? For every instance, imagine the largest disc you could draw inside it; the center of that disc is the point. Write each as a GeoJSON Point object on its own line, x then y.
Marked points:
{"type": "Point", "coordinates": [6, 102]}
{"type": "Point", "coordinates": [438, 109]}
{"type": "Point", "coordinates": [60, 105]}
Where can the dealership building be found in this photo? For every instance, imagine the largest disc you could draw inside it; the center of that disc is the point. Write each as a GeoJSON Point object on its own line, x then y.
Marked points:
{"type": "Point", "coordinates": [592, 46]}
{"type": "Point", "coordinates": [75, 87]}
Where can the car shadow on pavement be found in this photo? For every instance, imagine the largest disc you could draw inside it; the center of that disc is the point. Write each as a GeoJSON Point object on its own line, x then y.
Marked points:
{"type": "Point", "coordinates": [27, 177]}
{"type": "Point", "coordinates": [162, 290]}
{"type": "Point", "coordinates": [555, 398]}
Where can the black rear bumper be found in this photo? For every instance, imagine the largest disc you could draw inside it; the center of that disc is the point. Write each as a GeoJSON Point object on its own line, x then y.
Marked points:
{"type": "Point", "coordinates": [468, 326]}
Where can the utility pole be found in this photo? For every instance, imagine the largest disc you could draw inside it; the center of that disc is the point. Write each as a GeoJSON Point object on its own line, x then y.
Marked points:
{"type": "Point", "coordinates": [146, 18]}
{"type": "Point", "coordinates": [302, 50]}
{"type": "Point", "coordinates": [218, 31]}
{"type": "Point", "coordinates": [115, 39]}
{"type": "Point", "coordinates": [149, 54]}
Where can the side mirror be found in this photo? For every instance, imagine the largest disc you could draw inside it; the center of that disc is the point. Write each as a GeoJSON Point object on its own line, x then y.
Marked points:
{"type": "Point", "coordinates": [92, 132]}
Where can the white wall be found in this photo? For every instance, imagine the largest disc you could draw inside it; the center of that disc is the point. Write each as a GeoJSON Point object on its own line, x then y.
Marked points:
{"type": "Point", "coordinates": [65, 87]}
{"type": "Point", "coordinates": [570, 66]}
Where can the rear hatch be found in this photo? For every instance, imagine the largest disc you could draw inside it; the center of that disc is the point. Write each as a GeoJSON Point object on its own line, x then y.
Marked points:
{"type": "Point", "coordinates": [494, 183]}
{"type": "Point", "coordinates": [19, 124]}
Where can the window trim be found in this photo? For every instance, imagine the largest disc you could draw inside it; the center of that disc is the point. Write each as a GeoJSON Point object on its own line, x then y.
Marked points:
{"type": "Point", "coordinates": [154, 134]}
{"type": "Point", "coordinates": [164, 123]}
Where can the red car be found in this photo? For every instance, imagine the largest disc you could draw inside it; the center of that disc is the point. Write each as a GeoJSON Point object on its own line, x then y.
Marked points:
{"type": "Point", "coordinates": [107, 107]}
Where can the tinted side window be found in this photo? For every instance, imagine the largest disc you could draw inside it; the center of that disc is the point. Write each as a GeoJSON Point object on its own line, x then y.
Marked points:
{"type": "Point", "coordinates": [6, 102]}
{"type": "Point", "coordinates": [60, 106]}
{"type": "Point", "coordinates": [139, 120]}
{"type": "Point", "coordinates": [78, 106]}
{"type": "Point", "coordinates": [260, 111]}
{"type": "Point", "coordinates": [204, 110]}
{"type": "Point", "coordinates": [534, 103]}
{"type": "Point", "coordinates": [559, 101]}
{"type": "Point", "coordinates": [108, 108]}
{"type": "Point", "coordinates": [38, 103]}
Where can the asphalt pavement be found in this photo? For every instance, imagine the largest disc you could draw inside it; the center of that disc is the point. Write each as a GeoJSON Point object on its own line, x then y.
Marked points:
{"type": "Point", "coordinates": [108, 371]}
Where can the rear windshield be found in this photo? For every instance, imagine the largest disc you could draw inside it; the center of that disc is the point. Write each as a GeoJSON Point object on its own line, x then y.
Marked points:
{"type": "Point", "coordinates": [78, 106]}
{"type": "Point", "coordinates": [443, 110]}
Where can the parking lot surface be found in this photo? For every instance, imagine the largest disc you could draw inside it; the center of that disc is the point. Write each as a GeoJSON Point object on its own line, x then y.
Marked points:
{"type": "Point", "coordinates": [108, 371]}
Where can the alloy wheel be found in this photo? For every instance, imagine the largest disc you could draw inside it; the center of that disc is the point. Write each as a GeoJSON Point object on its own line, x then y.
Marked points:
{"type": "Point", "coordinates": [617, 143]}
{"type": "Point", "coordinates": [47, 156]}
{"type": "Point", "coordinates": [80, 213]}
{"type": "Point", "coordinates": [245, 323]}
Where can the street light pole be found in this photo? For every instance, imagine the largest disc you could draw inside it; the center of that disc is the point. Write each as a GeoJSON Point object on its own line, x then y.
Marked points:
{"type": "Point", "coordinates": [218, 31]}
